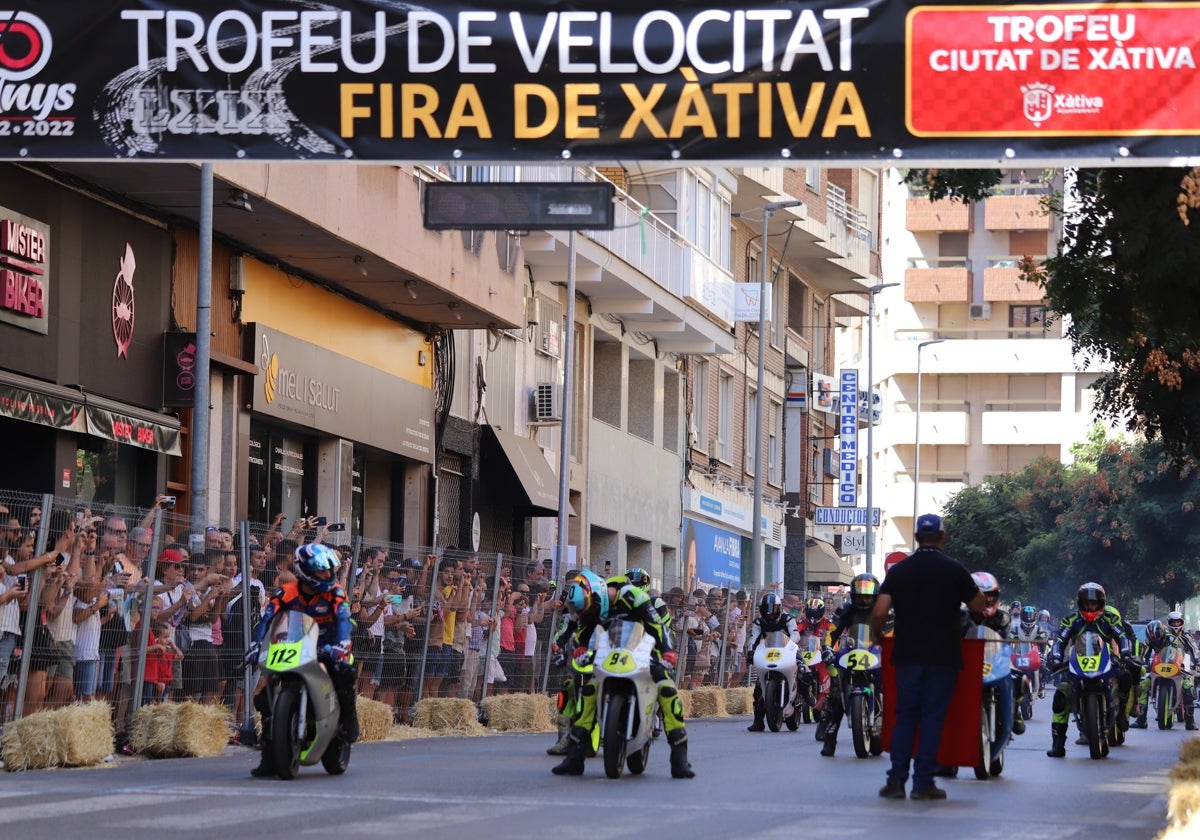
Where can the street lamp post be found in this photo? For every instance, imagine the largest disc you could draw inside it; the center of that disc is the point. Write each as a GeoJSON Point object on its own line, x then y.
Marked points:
{"type": "Point", "coordinates": [768, 210]}
{"type": "Point", "coordinates": [871, 292]}
{"type": "Point", "coordinates": [917, 435]}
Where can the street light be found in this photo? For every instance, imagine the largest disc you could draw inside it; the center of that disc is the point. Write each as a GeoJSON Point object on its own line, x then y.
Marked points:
{"type": "Point", "coordinates": [917, 435]}
{"type": "Point", "coordinates": [768, 210]}
{"type": "Point", "coordinates": [871, 292]}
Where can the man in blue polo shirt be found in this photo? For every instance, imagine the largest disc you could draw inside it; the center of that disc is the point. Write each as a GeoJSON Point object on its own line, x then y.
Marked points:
{"type": "Point", "coordinates": [925, 591]}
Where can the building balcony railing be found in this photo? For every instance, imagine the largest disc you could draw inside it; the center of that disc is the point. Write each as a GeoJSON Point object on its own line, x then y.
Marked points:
{"type": "Point", "coordinates": [942, 421]}
{"type": "Point", "coordinates": [938, 280]}
{"type": "Point", "coordinates": [1035, 423]}
{"type": "Point", "coordinates": [1016, 212]}
{"type": "Point", "coordinates": [1002, 282]}
{"type": "Point", "coordinates": [941, 216]}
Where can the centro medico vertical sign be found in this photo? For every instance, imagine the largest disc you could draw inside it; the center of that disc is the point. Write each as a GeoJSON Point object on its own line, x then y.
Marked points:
{"type": "Point", "coordinates": [847, 488]}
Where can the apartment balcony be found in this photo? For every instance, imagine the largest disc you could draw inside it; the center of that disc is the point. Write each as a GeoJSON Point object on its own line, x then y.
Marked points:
{"type": "Point", "coordinates": [358, 229]}
{"type": "Point", "coordinates": [642, 271]}
{"type": "Point", "coordinates": [945, 422]}
{"type": "Point", "coordinates": [983, 351]}
{"type": "Point", "coordinates": [938, 280]}
{"type": "Point", "coordinates": [941, 216]}
{"type": "Point", "coordinates": [1002, 282]}
{"type": "Point", "coordinates": [1016, 212]}
{"type": "Point", "coordinates": [833, 254]}
{"type": "Point", "coordinates": [1031, 423]}
{"type": "Point", "coordinates": [895, 499]}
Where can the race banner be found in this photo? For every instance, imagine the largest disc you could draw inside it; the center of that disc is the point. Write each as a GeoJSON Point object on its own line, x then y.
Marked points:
{"type": "Point", "coordinates": [821, 81]}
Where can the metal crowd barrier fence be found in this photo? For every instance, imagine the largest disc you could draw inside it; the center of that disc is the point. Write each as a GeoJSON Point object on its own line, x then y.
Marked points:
{"type": "Point", "coordinates": [139, 610]}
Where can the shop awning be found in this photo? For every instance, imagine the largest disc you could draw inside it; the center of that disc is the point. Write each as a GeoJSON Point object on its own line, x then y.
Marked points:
{"type": "Point", "coordinates": [34, 401]}
{"type": "Point", "coordinates": [824, 565]}
{"type": "Point", "coordinates": [518, 474]}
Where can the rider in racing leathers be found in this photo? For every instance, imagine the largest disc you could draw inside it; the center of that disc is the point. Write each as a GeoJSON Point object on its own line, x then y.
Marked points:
{"type": "Point", "coordinates": [864, 591]}
{"type": "Point", "coordinates": [771, 619]}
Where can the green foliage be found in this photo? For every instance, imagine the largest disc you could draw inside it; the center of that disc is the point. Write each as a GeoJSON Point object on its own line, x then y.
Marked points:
{"type": "Point", "coordinates": [957, 184]}
{"type": "Point", "coordinates": [1128, 519]}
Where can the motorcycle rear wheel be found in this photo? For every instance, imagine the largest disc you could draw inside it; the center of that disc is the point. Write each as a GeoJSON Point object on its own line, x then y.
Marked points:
{"type": "Point", "coordinates": [285, 720]}
{"type": "Point", "coordinates": [336, 757]}
{"type": "Point", "coordinates": [1165, 700]}
{"type": "Point", "coordinates": [1091, 725]}
{"type": "Point", "coordinates": [615, 712]}
{"type": "Point", "coordinates": [860, 725]}
{"type": "Point", "coordinates": [774, 703]}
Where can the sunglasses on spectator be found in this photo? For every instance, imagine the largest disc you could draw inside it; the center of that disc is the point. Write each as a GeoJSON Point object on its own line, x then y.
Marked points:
{"type": "Point", "coordinates": [398, 581]}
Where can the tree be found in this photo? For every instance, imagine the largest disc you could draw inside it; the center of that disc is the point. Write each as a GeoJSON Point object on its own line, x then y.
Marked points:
{"type": "Point", "coordinates": [1125, 264]}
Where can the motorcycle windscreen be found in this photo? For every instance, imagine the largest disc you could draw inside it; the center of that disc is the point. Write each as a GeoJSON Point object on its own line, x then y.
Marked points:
{"type": "Point", "coordinates": [775, 639]}
{"type": "Point", "coordinates": [960, 729]}
{"type": "Point", "coordinates": [625, 634]}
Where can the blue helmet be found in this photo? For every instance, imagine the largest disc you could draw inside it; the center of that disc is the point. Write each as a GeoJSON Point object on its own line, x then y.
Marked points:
{"type": "Point", "coordinates": [587, 594]}
{"type": "Point", "coordinates": [317, 566]}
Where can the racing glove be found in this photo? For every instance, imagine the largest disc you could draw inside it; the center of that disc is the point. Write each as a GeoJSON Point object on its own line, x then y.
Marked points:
{"type": "Point", "coordinates": [580, 655]}
{"type": "Point", "coordinates": [670, 658]}
{"type": "Point", "coordinates": [827, 656]}
{"type": "Point", "coordinates": [252, 654]}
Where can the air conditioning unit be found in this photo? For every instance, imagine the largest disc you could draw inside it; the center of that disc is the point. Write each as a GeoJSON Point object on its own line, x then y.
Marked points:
{"type": "Point", "coordinates": [547, 402]}
{"type": "Point", "coordinates": [981, 311]}
{"type": "Point", "coordinates": [714, 449]}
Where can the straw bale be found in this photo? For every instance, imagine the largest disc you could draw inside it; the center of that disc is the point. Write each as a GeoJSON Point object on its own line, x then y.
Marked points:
{"type": "Point", "coordinates": [708, 702]}
{"type": "Point", "coordinates": [374, 719]}
{"type": "Point", "coordinates": [85, 733]}
{"type": "Point", "coordinates": [739, 701]}
{"type": "Point", "coordinates": [201, 730]}
{"type": "Point", "coordinates": [448, 714]}
{"type": "Point", "coordinates": [412, 733]}
{"type": "Point", "coordinates": [519, 712]}
{"type": "Point", "coordinates": [152, 730]}
{"type": "Point", "coordinates": [30, 743]}
{"type": "Point", "coordinates": [1183, 812]}
{"type": "Point", "coordinates": [79, 735]}
{"type": "Point", "coordinates": [685, 701]}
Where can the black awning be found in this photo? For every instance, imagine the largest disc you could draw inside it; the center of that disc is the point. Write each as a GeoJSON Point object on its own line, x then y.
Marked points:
{"type": "Point", "coordinates": [34, 401]}
{"type": "Point", "coordinates": [516, 474]}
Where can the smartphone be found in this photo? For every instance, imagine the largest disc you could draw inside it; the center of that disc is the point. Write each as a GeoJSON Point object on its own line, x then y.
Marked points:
{"type": "Point", "coordinates": [22, 582]}
{"type": "Point", "coordinates": [168, 502]}
{"type": "Point", "coordinates": [196, 544]}
{"type": "Point", "coordinates": [337, 526]}
{"type": "Point", "coordinates": [318, 521]}
{"type": "Point", "coordinates": [60, 560]}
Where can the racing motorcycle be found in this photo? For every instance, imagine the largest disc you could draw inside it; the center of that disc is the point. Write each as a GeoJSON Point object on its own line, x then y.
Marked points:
{"type": "Point", "coordinates": [1090, 668]}
{"type": "Point", "coordinates": [996, 711]}
{"type": "Point", "coordinates": [627, 696]}
{"type": "Point", "coordinates": [776, 661]}
{"type": "Point", "coordinates": [1027, 659]}
{"type": "Point", "coordinates": [304, 706]}
{"type": "Point", "coordinates": [858, 662]}
{"type": "Point", "coordinates": [813, 682]}
{"type": "Point", "coordinates": [1168, 669]}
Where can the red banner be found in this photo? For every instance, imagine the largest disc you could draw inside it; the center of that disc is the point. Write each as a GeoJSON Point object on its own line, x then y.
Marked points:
{"type": "Point", "coordinates": [1053, 70]}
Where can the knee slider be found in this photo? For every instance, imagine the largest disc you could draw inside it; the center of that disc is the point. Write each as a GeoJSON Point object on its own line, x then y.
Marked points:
{"type": "Point", "coordinates": [668, 691]}
{"type": "Point", "coordinates": [589, 690]}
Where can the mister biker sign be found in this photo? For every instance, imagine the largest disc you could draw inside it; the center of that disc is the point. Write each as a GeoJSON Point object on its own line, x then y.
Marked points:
{"type": "Point", "coordinates": [782, 81]}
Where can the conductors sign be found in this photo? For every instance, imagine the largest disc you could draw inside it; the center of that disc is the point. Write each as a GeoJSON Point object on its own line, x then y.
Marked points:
{"type": "Point", "coordinates": [845, 516]}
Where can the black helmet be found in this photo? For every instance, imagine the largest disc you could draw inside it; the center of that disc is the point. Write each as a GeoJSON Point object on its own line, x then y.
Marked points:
{"type": "Point", "coordinates": [1088, 593]}
{"type": "Point", "coordinates": [864, 589]}
{"type": "Point", "coordinates": [814, 611]}
{"type": "Point", "coordinates": [769, 607]}
{"type": "Point", "coordinates": [1029, 616]}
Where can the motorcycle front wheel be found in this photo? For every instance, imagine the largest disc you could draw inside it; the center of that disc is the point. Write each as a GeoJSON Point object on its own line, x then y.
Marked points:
{"type": "Point", "coordinates": [1165, 700]}
{"type": "Point", "coordinates": [615, 711]}
{"type": "Point", "coordinates": [285, 721]}
{"type": "Point", "coordinates": [774, 702]}
{"type": "Point", "coordinates": [1091, 725]}
{"type": "Point", "coordinates": [984, 756]}
{"type": "Point", "coordinates": [860, 725]}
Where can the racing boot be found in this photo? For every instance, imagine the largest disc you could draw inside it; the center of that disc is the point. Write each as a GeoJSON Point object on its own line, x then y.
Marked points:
{"type": "Point", "coordinates": [1058, 735]}
{"type": "Point", "coordinates": [822, 727]}
{"type": "Point", "coordinates": [680, 769]}
{"type": "Point", "coordinates": [1140, 721]}
{"type": "Point", "coordinates": [1189, 717]}
{"type": "Point", "coordinates": [347, 711]}
{"type": "Point", "coordinates": [564, 737]}
{"type": "Point", "coordinates": [759, 713]}
{"type": "Point", "coordinates": [266, 760]}
{"type": "Point", "coordinates": [572, 765]}
{"type": "Point", "coordinates": [830, 746]}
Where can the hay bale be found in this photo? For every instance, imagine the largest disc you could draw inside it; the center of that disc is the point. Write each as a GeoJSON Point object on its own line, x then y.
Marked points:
{"type": "Point", "coordinates": [201, 730]}
{"type": "Point", "coordinates": [739, 701]}
{"type": "Point", "coordinates": [685, 702]}
{"type": "Point", "coordinates": [374, 719]}
{"type": "Point", "coordinates": [1183, 808]}
{"type": "Point", "coordinates": [85, 733]}
{"type": "Point", "coordinates": [412, 733]}
{"type": "Point", "coordinates": [79, 735]}
{"type": "Point", "coordinates": [708, 702]}
{"type": "Point", "coordinates": [519, 713]}
{"type": "Point", "coordinates": [176, 730]}
{"type": "Point", "coordinates": [450, 714]}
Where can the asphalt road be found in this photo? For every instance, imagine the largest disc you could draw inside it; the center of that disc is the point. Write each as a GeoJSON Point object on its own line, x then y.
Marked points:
{"type": "Point", "coordinates": [747, 785]}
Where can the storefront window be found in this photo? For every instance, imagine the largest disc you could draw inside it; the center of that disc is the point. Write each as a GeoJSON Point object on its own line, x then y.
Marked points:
{"type": "Point", "coordinates": [107, 473]}
{"type": "Point", "coordinates": [277, 477]}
